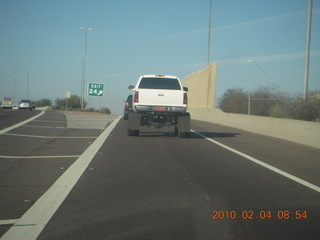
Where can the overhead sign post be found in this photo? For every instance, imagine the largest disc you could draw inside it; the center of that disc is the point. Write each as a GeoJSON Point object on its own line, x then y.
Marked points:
{"type": "Point", "coordinates": [95, 90]}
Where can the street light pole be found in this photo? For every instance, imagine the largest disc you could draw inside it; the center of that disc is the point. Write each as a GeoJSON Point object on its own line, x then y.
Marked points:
{"type": "Point", "coordinates": [306, 63]}
{"type": "Point", "coordinates": [84, 60]}
{"type": "Point", "coordinates": [27, 78]}
{"type": "Point", "coordinates": [209, 33]}
{"type": "Point", "coordinates": [14, 86]}
{"type": "Point", "coordinates": [267, 75]}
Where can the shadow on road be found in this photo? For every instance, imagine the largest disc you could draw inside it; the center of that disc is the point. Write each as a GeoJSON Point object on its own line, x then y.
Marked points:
{"type": "Point", "coordinates": [214, 135]}
{"type": "Point", "coordinates": [192, 135]}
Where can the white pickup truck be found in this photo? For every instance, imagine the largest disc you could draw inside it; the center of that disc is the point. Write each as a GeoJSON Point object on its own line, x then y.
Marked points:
{"type": "Point", "coordinates": [159, 101]}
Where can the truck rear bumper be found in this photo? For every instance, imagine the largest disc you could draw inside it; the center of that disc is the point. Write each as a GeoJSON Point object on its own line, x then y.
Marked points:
{"type": "Point", "coordinates": [146, 108]}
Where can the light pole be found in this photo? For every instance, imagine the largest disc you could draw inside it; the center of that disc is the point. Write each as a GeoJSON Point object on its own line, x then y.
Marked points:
{"type": "Point", "coordinates": [84, 60]}
{"type": "Point", "coordinates": [14, 86]}
{"type": "Point", "coordinates": [267, 75]}
{"type": "Point", "coordinates": [306, 63]}
{"type": "Point", "coordinates": [27, 78]}
{"type": "Point", "coordinates": [209, 33]}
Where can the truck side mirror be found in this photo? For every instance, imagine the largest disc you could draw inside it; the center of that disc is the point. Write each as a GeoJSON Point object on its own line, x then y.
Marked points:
{"type": "Point", "coordinates": [131, 87]}
{"type": "Point", "coordinates": [185, 89]}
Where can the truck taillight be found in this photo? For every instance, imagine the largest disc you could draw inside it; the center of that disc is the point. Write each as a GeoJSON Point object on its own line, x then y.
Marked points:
{"type": "Point", "coordinates": [136, 97]}
{"type": "Point", "coordinates": [185, 98]}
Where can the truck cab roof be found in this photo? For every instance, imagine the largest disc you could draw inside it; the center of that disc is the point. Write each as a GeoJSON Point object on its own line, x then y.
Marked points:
{"type": "Point", "coordinates": [159, 76]}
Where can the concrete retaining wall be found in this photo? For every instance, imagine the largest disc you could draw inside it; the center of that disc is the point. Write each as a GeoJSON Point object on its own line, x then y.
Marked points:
{"type": "Point", "coordinates": [202, 87]}
{"type": "Point", "coordinates": [302, 132]}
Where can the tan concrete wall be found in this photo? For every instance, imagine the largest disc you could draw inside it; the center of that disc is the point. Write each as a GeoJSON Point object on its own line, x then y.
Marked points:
{"type": "Point", "coordinates": [201, 94]}
{"type": "Point", "coordinates": [202, 87]}
{"type": "Point", "coordinates": [302, 132]}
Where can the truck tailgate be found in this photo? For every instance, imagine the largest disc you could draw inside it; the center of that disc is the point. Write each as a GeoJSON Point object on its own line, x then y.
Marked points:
{"type": "Point", "coordinates": [160, 97]}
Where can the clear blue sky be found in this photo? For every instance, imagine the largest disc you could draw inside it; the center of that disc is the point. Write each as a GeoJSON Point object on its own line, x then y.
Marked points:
{"type": "Point", "coordinates": [131, 38]}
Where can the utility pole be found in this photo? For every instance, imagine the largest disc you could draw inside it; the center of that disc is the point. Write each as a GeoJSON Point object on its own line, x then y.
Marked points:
{"type": "Point", "coordinates": [307, 56]}
{"type": "Point", "coordinates": [209, 35]}
{"type": "Point", "coordinates": [84, 61]}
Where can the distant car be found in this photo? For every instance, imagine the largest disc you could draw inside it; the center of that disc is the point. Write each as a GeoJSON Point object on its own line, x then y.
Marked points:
{"type": "Point", "coordinates": [26, 104]}
{"type": "Point", "coordinates": [127, 107]}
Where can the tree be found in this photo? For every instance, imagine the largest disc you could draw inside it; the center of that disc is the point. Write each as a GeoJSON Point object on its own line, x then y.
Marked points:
{"type": "Point", "coordinates": [105, 110]}
{"type": "Point", "coordinates": [261, 101]}
{"type": "Point", "coordinates": [73, 102]}
{"type": "Point", "coordinates": [309, 109]}
{"type": "Point", "coordinates": [234, 101]}
{"type": "Point", "coordinates": [269, 102]}
{"type": "Point", "coordinates": [43, 102]}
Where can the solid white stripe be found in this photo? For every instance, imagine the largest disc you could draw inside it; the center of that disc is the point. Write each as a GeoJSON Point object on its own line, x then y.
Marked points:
{"type": "Point", "coordinates": [30, 225]}
{"type": "Point", "coordinates": [8, 222]}
{"type": "Point", "coordinates": [274, 169]}
{"type": "Point", "coordinates": [44, 156]}
{"type": "Point", "coordinates": [37, 136]}
{"type": "Point", "coordinates": [21, 123]}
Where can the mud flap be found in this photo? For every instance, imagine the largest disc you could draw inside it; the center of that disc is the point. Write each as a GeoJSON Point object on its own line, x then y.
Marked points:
{"type": "Point", "coordinates": [133, 125]}
{"type": "Point", "coordinates": [184, 125]}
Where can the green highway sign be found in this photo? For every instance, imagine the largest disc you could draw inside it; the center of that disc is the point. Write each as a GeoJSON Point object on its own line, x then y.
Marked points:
{"type": "Point", "coordinates": [95, 89]}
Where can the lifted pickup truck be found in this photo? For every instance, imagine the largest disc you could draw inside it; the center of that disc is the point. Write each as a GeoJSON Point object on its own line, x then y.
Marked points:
{"type": "Point", "coordinates": [159, 101]}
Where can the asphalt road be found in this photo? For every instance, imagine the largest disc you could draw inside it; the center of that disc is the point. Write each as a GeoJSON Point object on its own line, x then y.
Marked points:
{"type": "Point", "coordinates": [10, 117]}
{"type": "Point", "coordinates": [34, 155]}
{"type": "Point", "coordinates": [157, 186]}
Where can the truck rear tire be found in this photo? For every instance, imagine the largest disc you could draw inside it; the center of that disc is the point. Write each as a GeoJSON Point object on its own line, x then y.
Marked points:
{"type": "Point", "coordinates": [184, 134]}
{"type": "Point", "coordinates": [133, 132]}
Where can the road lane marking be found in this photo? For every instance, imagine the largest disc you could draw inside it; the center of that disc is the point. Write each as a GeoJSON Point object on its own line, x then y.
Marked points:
{"type": "Point", "coordinates": [274, 169]}
{"type": "Point", "coordinates": [8, 222]}
{"type": "Point", "coordinates": [21, 123]}
{"type": "Point", "coordinates": [49, 121]}
{"type": "Point", "coordinates": [34, 126]}
{"type": "Point", "coordinates": [37, 136]}
{"type": "Point", "coordinates": [31, 224]}
{"type": "Point", "coordinates": [44, 156]}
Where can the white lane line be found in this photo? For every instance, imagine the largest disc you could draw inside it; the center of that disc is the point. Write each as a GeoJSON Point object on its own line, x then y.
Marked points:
{"type": "Point", "coordinates": [35, 126]}
{"type": "Point", "coordinates": [274, 169]}
{"type": "Point", "coordinates": [37, 136]}
{"type": "Point", "coordinates": [21, 123]}
{"type": "Point", "coordinates": [44, 156]}
{"type": "Point", "coordinates": [30, 225]}
{"type": "Point", "coordinates": [8, 222]}
{"type": "Point", "coordinates": [50, 121]}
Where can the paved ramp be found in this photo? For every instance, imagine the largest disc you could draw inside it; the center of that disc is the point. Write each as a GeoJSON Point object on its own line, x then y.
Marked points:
{"type": "Point", "coordinates": [88, 120]}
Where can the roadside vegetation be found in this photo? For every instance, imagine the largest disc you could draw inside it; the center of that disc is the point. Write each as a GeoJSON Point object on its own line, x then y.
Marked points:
{"type": "Point", "coordinates": [273, 103]}
{"type": "Point", "coordinates": [71, 104]}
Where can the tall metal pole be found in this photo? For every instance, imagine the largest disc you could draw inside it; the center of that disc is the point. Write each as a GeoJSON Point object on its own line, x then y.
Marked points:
{"type": "Point", "coordinates": [14, 86]}
{"type": "Point", "coordinates": [81, 90]}
{"type": "Point", "coordinates": [84, 60]}
{"type": "Point", "coordinates": [209, 34]}
{"type": "Point", "coordinates": [27, 78]}
{"type": "Point", "coordinates": [249, 103]}
{"type": "Point", "coordinates": [84, 68]}
{"type": "Point", "coordinates": [306, 62]}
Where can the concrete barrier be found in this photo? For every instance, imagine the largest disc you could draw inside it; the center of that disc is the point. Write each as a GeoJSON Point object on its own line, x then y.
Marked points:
{"type": "Point", "coordinates": [202, 87]}
{"type": "Point", "coordinates": [302, 132]}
